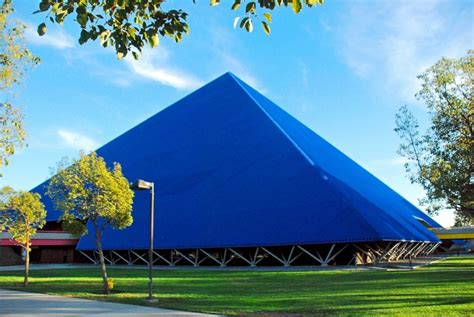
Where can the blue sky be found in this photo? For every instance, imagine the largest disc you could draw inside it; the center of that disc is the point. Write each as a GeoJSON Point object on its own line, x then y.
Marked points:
{"type": "Point", "coordinates": [343, 69]}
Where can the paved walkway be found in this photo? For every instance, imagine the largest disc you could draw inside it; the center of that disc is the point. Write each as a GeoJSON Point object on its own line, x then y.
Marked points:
{"type": "Point", "coordinates": [14, 303]}
{"type": "Point", "coordinates": [34, 267]}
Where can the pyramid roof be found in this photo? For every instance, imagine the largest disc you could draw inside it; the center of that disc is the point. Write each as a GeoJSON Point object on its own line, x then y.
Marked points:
{"type": "Point", "coordinates": [232, 169]}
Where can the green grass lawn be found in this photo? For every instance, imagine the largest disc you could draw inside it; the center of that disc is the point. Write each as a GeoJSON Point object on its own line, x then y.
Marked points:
{"type": "Point", "coordinates": [442, 289]}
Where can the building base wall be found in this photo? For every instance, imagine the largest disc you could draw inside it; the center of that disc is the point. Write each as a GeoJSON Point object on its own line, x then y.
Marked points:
{"type": "Point", "coordinates": [52, 255]}
{"type": "Point", "coordinates": [8, 256]}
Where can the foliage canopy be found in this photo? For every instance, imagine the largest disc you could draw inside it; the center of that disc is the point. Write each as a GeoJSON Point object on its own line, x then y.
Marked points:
{"type": "Point", "coordinates": [21, 215]}
{"type": "Point", "coordinates": [15, 60]}
{"type": "Point", "coordinates": [86, 190]}
{"type": "Point", "coordinates": [129, 25]}
{"type": "Point", "coordinates": [442, 159]}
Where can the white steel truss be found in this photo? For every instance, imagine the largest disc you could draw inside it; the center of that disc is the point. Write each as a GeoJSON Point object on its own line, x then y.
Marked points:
{"type": "Point", "coordinates": [286, 256]}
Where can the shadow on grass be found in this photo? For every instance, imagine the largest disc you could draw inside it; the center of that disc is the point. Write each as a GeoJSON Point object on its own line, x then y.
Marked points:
{"type": "Point", "coordinates": [435, 289]}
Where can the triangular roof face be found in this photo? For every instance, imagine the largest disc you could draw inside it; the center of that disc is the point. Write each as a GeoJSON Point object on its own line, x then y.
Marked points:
{"type": "Point", "coordinates": [322, 154]}
{"type": "Point", "coordinates": [233, 169]}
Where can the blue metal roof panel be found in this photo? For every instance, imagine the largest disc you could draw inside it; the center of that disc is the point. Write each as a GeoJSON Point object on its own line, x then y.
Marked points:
{"type": "Point", "coordinates": [337, 164]}
{"type": "Point", "coordinates": [229, 171]}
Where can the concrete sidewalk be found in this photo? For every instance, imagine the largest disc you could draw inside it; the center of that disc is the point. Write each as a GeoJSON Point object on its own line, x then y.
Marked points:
{"type": "Point", "coordinates": [34, 267]}
{"type": "Point", "coordinates": [14, 303]}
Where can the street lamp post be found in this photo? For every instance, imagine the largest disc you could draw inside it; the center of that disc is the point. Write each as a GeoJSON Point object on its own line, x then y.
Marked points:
{"type": "Point", "coordinates": [144, 185]}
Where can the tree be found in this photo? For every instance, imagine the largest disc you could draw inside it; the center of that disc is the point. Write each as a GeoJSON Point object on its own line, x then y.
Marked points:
{"type": "Point", "coordinates": [15, 60]}
{"type": "Point", "coordinates": [87, 190]}
{"type": "Point", "coordinates": [442, 159]}
{"type": "Point", "coordinates": [128, 25]}
{"type": "Point", "coordinates": [12, 133]}
{"type": "Point", "coordinates": [21, 215]}
{"type": "Point", "coordinates": [72, 225]}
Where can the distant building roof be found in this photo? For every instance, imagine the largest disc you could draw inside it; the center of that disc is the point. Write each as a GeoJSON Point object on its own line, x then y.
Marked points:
{"type": "Point", "coordinates": [454, 233]}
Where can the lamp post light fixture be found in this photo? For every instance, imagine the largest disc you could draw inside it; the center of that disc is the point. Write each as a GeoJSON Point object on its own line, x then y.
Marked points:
{"type": "Point", "coordinates": [144, 185]}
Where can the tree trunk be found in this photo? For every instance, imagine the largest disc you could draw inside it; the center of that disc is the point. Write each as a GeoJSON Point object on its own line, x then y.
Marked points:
{"type": "Point", "coordinates": [27, 264]}
{"type": "Point", "coordinates": [102, 260]}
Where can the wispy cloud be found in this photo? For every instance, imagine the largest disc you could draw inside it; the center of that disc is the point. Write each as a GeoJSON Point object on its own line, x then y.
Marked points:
{"type": "Point", "coordinates": [153, 66]}
{"type": "Point", "coordinates": [77, 141]}
{"type": "Point", "coordinates": [234, 65]}
{"type": "Point", "coordinates": [394, 41]}
{"type": "Point", "coordinates": [388, 162]}
{"type": "Point", "coordinates": [56, 38]}
{"type": "Point", "coordinates": [229, 56]}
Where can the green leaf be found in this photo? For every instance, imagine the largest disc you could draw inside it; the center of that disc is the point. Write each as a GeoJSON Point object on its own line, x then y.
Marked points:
{"type": "Point", "coordinates": [250, 7]}
{"type": "Point", "coordinates": [268, 17]}
{"type": "Point", "coordinates": [266, 28]}
{"type": "Point", "coordinates": [249, 25]}
{"type": "Point", "coordinates": [215, 2]}
{"type": "Point", "coordinates": [81, 9]}
{"type": "Point", "coordinates": [132, 33]}
{"type": "Point", "coordinates": [178, 37]}
{"type": "Point", "coordinates": [236, 5]}
{"type": "Point", "coordinates": [236, 21]}
{"type": "Point", "coordinates": [243, 22]}
{"type": "Point", "coordinates": [104, 38]}
{"type": "Point", "coordinates": [85, 36]}
{"type": "Point", "coordinates": [153, 39]}
{"type": "Point", "coordinates": [82, 20]}
{"type": "Point", "coordinates": [44, 5]}
{"type": "Point", "coordinates": [296, 6]}
{"type": "Point", "coordinates": [41, 29]}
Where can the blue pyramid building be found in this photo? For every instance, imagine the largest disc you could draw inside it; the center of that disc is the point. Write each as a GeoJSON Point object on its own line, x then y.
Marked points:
{"type": "Point", "coordinates": [237, 178]}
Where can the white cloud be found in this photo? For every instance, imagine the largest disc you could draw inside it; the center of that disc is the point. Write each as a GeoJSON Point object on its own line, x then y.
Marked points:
{"type": "Point", "coordinates": [153, 66]}
{"type": "Point", "coordinates": [446, 218]}
{"type": "Point", "coordinates": [233, 64]}
{"type": "Point", "coordinates": [394, 41]}
{"type": "Point", "coordinates": [77, 141]}
{"type": "Point", "coordinates": [56, 38]}
{"type": "Point", "coordinates": [227, 55]}
{"type": "Point", "coordinates": [388, 162]}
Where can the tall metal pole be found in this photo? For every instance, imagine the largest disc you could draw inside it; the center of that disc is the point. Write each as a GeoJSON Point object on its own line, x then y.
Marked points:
{"type": "Point", "coordinates": [150, 251]}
